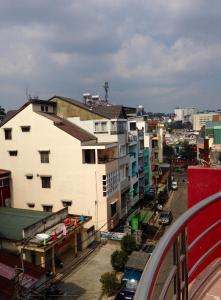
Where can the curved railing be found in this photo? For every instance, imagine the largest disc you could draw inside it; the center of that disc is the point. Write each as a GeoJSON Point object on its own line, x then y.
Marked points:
{"type": "Point", "coordinates": [176, 233]}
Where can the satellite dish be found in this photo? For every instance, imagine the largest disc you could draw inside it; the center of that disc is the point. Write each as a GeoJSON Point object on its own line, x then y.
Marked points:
{"type": "Point", "coordinates": [42, 236]}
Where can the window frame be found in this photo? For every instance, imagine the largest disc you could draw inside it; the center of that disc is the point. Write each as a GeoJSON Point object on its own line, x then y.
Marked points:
{"type": "Point", "coordinates": [46, 185]}
{"type": "Point", "coordinates": [44, 156]}
{"type": "Point", "coordinates": [47, 207]}
{"type": "Point", "coordinates": [8, 133]}
{"type": "Point", "coordinates": [25, 128]}
{"type": "Point", "coordinates": [66, 203]}
{"type": "Point", "coordinates": [13, 152]}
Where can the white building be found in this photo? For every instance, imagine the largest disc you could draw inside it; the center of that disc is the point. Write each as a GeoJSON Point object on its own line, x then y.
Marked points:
{"type": "Point", "coordinates": [200, 120]}
{"type": "Point", "coordinates": [55, 163]}
{"type": "Point", "coordinates": [184, 114]}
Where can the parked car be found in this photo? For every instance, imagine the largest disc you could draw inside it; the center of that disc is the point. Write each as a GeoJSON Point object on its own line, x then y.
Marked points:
{"type": "Point", "coordinates": [165, 217]}
{"type": "Point", "coordinates": [128, 291]}
{"type": "Point", "coordinates": [174, 185]}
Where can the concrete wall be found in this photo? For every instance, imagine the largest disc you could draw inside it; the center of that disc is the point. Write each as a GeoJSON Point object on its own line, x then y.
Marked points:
{"type": "Point", "coordinates": [66, 110]}
{"type": "Point", "coordinates": [70, 178]}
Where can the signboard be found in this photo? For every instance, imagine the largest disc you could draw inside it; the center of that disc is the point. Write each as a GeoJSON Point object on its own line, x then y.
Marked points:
{"type": "Point", "coordinates": [116, 236]}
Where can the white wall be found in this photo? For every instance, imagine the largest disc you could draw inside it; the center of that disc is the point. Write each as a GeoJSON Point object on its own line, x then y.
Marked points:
{"type": "Point", "coordinates": [71, 180]}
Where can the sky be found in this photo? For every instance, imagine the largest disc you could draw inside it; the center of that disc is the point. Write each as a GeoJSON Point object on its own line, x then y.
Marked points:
{"type": "Point", "coordinates": [156, 53]}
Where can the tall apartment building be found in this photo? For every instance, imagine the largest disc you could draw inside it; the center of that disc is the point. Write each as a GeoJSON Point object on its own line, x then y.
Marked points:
{"type": "Point", "coordinates": [184, 114]}
{"type": "Point", "coordinates": [200, 120]}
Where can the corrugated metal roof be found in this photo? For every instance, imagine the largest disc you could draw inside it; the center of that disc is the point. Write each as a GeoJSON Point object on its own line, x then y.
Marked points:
{"type": "Point", "coordinates": [137, 260]}
{"type": "Point", "coordinates": [13, 220]}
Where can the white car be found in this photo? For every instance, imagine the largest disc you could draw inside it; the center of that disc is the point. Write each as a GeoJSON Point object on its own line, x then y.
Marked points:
{"type": "Point", "coordinates": [174, 185]}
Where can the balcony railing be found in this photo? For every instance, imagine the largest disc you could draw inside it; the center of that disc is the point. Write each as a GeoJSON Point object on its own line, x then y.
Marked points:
{"type": "Point", "coordinates": [104, 160]}
{"type": "Point", "coordinates": [178, 275]}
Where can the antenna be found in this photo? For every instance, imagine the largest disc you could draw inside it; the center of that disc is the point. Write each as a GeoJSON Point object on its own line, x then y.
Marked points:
{"type": "Point", "coordinates": [106, 88]}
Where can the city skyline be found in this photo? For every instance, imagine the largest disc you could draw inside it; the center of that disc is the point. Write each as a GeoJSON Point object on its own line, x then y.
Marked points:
{"type": "Point", "coordinates": [158, 54]}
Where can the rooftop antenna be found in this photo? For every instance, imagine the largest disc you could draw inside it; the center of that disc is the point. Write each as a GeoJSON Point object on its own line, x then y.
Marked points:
{"type": "Point", "coordinates": [106, 88]}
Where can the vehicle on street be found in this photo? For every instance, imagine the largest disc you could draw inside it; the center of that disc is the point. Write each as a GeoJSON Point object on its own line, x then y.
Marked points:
{"type": "Point", "coordinates": [128, 292]}
{"type": "Point", "coordinates": [174, 185]}
{"type": "Point", "coordinates": [165, 217]}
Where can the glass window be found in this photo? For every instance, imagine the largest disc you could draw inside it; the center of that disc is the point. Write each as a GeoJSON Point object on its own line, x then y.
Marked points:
{"type": "Point", "coordinates": [103, 126]}
{"type": "Point", "coordinates": [66, 203]}
{"type": "Point", "coordinates": [8, 133]}
{"type": "Point", "coordinates": [44, 155]}
{"type": "Point", "coordinates": [46, 182]}
{"type": "Point", "coordinates": [47, 208]}
{"type": "Point", "coordinates": [13, 153]}
{"type": "Point", "coordinates": [25, 128]}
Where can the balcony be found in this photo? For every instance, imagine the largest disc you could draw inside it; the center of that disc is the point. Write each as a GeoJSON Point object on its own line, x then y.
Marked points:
{"type": "Point", "coordinates": [132, 138]}
{"type": "Point", "coordinates": [175, 275]}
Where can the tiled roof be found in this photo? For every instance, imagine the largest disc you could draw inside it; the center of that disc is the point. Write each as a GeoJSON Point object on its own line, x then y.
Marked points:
{"type": "Point", "coordinates": [110, 112]}
{"type": "Point", "coordinates": [69, 127]}
{"type": "Point", "coordinates": [13, 220]}
{"type": "Point", "coordinates": [11, 113]}
{"type": "Point", "coordinates": [137, 260]}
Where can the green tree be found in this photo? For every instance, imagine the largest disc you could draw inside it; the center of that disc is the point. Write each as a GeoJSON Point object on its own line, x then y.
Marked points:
{"type": "Point", "coordinates": [188, 152]}
{"type": "Point", "coordinates": [168, 152]}
{"type": "Point", "coordinates": [118, 259]}
{"type": "Point", "coordinates": [128, 244]}
{"type": "Point", "coordinates": [109, 283]}
{"type": "Point", "coordinates": [2, 113]}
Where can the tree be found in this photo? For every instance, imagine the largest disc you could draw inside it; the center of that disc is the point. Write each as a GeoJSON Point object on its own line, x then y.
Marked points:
{"type": "Point", "coordinates": [128, 244]}
{"type": "Point", "coordinates": [188, 152]}
{"type": "Point", "coordinates": [2, 113]}
{"type": "Point", "coordinates": [168, 152]}
{"type": "Point", "coordinates": [118, 259]}
{"type": "Point", "coordinates": [109, 283]}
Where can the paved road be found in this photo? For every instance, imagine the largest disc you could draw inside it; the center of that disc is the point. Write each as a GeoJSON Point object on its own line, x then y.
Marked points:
{"type": "Point", "coordinates": [84, 282]}
{"type": "Point", "coordinates": [178, 204]}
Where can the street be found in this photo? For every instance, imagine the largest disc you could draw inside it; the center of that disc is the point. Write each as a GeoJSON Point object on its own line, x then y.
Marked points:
{"type": "Point", "coordinates": [178, 204]}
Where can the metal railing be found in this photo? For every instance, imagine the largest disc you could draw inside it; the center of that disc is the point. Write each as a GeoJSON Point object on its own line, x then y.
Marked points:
{"type": "Point", "coordinates": [174, 237]}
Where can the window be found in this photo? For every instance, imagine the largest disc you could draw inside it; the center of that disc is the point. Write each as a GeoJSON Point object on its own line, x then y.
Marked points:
{"type": "Point", "coordinates": [122, 150]}
{"type": "Point", "coordinates": [103, 126]}
{"type": "Point", "coordinates": [44, 155]}
{"type": "Point", "coordinates": [4, 182]}
{"type": "Point", "coordinates": [66, 203]}
{"type": "Point", "coordinates": [47, 207]}
{"type": "Point", "coordinates": [8, 133]}
{"type": "Point", "coordinates": [31, 205]}
{"type": "Point", "coordinates": [90, 231]}
{"type": "Point", "coordinates": [46, 182]}
{"type": "Point", "coordinates": [13, 153]}
{"type": "Point", "coordinates": [88, 156]}
{"type": "Point", "coordinates": [29, 176]}
{"type": "Point", "coordinates": [113, 209]}
{"type": "Point", "coordinates": [133, 126]}
{"type": "Point", "coordinates": [110, 183]}
{"type": "Point", "coordinates": [25, 128]}
{"type": "Point", "coordinates": [100, 127]}
{"type": "Point", "coordinates": [44, 108]}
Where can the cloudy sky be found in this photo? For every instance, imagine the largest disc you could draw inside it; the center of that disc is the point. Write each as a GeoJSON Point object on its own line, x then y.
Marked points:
{"type": "Point", "coordinates": [159, 53]}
